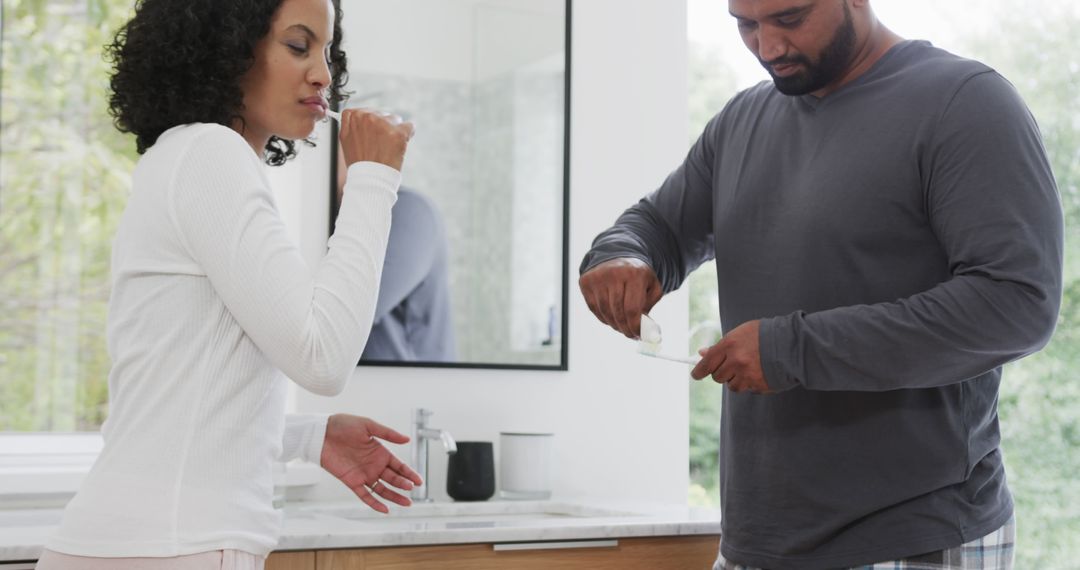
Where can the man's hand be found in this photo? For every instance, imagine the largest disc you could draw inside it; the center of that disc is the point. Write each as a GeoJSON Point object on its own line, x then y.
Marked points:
{"type": "Point", "coordinates": [352, 454]}
{"type": "Point", "coordinates": [735, 361]}
{"type": "Point", "coordinates": [618, 291]}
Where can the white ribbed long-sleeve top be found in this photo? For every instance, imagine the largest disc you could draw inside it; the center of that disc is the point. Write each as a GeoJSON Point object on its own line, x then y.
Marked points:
{"type": "Point", "coordinates": [212, 306]}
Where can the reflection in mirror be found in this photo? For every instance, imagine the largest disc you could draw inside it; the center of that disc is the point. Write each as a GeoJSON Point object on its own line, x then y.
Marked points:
{"type": "Point", "coordinates": [475, 273]}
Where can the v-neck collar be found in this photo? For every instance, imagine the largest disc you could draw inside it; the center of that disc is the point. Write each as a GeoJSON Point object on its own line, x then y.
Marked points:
{"type": "Point", "coordinates": [814, 103]}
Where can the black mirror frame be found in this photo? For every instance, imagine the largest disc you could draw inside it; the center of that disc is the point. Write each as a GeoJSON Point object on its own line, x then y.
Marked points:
{"type": "Point", "coordinates": [564, 359]}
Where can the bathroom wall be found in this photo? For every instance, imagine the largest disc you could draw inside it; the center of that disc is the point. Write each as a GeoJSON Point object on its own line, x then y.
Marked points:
{"type": "Point", "coordinates": [620, 419]}
{"type": "Point", "coordinates": [488, 100]}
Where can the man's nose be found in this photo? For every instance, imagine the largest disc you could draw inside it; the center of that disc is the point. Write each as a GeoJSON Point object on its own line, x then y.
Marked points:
{"type": "Point", "coordinates": [770, 43]}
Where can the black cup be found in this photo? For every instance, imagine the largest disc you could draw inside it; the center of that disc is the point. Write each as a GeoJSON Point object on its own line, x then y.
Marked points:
{"type": "Point", "coordinates": [470, 474]}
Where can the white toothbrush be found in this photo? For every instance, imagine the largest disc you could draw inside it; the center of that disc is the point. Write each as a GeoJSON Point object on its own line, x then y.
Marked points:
{"type": "Point", "coordinates": [649, 345]}
{"type": "Point", "coordinates": [683, 359]}
{"type": "Point", "coordinates": [394, 118]}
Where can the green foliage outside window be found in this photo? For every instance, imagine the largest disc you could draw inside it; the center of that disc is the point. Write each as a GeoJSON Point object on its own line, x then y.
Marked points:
{"type": "Point", "coordinates": [64, 176]}
{"type": "Point", "coordinates": [1040, 396]}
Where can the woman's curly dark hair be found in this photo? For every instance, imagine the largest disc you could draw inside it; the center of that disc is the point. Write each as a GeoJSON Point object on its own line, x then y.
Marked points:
{"type": "Point", "coordinates": [181, 61]}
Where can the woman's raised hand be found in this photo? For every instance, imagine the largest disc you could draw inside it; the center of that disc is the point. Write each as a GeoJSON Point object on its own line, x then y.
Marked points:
{"type": "Point", "coordinates": [368, 135]}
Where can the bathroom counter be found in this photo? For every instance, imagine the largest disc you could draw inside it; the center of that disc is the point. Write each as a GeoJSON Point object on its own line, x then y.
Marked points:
{"type": "Point", "coordinates": [316, 526]}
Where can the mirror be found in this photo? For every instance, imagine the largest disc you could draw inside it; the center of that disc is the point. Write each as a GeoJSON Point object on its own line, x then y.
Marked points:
{"type": "Point", "coordinates": [476, 268]}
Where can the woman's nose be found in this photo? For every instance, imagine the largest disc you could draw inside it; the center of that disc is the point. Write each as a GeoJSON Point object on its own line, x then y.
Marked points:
{"type": "Point", "coordinates": [319, 76]}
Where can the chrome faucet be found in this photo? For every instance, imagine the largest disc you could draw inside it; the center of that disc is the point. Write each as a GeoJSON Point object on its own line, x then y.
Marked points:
{"type": "Point", "coordinates": [421, 434]}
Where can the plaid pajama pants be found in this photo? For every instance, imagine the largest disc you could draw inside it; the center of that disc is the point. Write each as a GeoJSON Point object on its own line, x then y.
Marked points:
{"type": "Point", "coordinates": [991, 552]}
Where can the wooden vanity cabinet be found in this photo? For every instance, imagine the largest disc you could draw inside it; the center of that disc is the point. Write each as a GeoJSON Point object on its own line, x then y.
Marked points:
{"type": "Point", "coordinates": [297, 560]}
{"type": "Point", "coordinates": [654, 553]}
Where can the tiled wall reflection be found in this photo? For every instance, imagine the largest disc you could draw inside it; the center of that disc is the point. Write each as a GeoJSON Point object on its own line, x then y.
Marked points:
{"type": "Point", "coordinates": [490, 157]}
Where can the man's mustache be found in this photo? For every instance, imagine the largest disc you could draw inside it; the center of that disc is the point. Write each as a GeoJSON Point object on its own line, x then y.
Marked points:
{"type": "Point", "coordinates": [786, 60]}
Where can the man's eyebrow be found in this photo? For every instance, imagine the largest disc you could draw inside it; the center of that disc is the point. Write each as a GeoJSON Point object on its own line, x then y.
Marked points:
{"type": "Point", "coordinates": [781, 14]}
{"type": "Point", "coordinates": [789, 12]}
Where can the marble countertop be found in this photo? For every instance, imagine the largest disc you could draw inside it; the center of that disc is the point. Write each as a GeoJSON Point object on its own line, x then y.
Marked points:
{"type": "Point", "coordinates": [351, 524]}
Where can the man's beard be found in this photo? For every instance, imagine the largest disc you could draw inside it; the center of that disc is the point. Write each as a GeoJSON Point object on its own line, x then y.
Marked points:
{"type": "Point", "coordinates": [833, 62]}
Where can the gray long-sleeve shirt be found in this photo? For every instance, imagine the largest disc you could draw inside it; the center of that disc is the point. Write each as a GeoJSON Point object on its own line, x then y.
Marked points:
{"type": "Point", "coordinates": [901, 239]}
{"type": "Point", "coordinates": [413, 317]}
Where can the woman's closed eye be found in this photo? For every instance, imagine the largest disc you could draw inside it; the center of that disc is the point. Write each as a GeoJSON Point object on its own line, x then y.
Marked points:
{"type": "Point", "coordinates": [303, 49]}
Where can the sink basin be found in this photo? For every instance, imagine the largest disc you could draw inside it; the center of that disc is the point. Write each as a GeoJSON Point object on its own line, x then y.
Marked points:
{"type": "Point", "coordinates": [351, 524]}
{"type": "Point", "coordinates": [470, 515]}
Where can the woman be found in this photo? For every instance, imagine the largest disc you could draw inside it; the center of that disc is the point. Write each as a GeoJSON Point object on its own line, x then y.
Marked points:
{"type": "Point", "coordinates": [212, 305]}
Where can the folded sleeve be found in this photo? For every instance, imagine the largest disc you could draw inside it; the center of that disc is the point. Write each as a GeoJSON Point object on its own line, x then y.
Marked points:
{"type": "Point", "coordinates": [303, 438]}
{"type": "Point", "coordinates": [671, 229]}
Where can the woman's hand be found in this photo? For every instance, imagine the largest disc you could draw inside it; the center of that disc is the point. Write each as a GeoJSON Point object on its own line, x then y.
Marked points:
{"type": "Point", "coordinates": [352, 453]}
{"type": "Point", "coordinates": [368, 135]}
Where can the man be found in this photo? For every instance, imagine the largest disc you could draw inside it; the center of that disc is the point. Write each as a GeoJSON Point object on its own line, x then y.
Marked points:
{"type": "Point", "coordinates": [887, 234]}
{"type": "Point", "coordinates": [413, 317]}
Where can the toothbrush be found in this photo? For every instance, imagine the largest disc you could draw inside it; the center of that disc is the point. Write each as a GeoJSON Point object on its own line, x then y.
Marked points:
{"type": "Point", "coordinates": [394, 118]}
{"type": "Point", "coordinates": [649, 345]}
{"type": "Point", "coordinates": [683, 359]}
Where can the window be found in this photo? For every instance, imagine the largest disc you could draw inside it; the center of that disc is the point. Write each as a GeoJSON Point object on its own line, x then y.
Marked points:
{"type": "Point", "coordinates": [1040, 396]}
{"type": "Point", "coordinates": [64, 177]}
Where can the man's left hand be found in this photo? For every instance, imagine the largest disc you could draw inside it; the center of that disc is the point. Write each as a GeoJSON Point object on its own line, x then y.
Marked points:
{"type": "Point", "coordinates": [352, 453]}
{"type": "Point", "coordinates": [735, 361]}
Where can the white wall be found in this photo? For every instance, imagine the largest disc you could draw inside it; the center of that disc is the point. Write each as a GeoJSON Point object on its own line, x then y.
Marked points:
{"type": "Point", "coordinates": [620, 419]}
{"type": "Point", "coordinates": [382, 32]}
{"type": "Point", "coordinates": [393, 26]}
